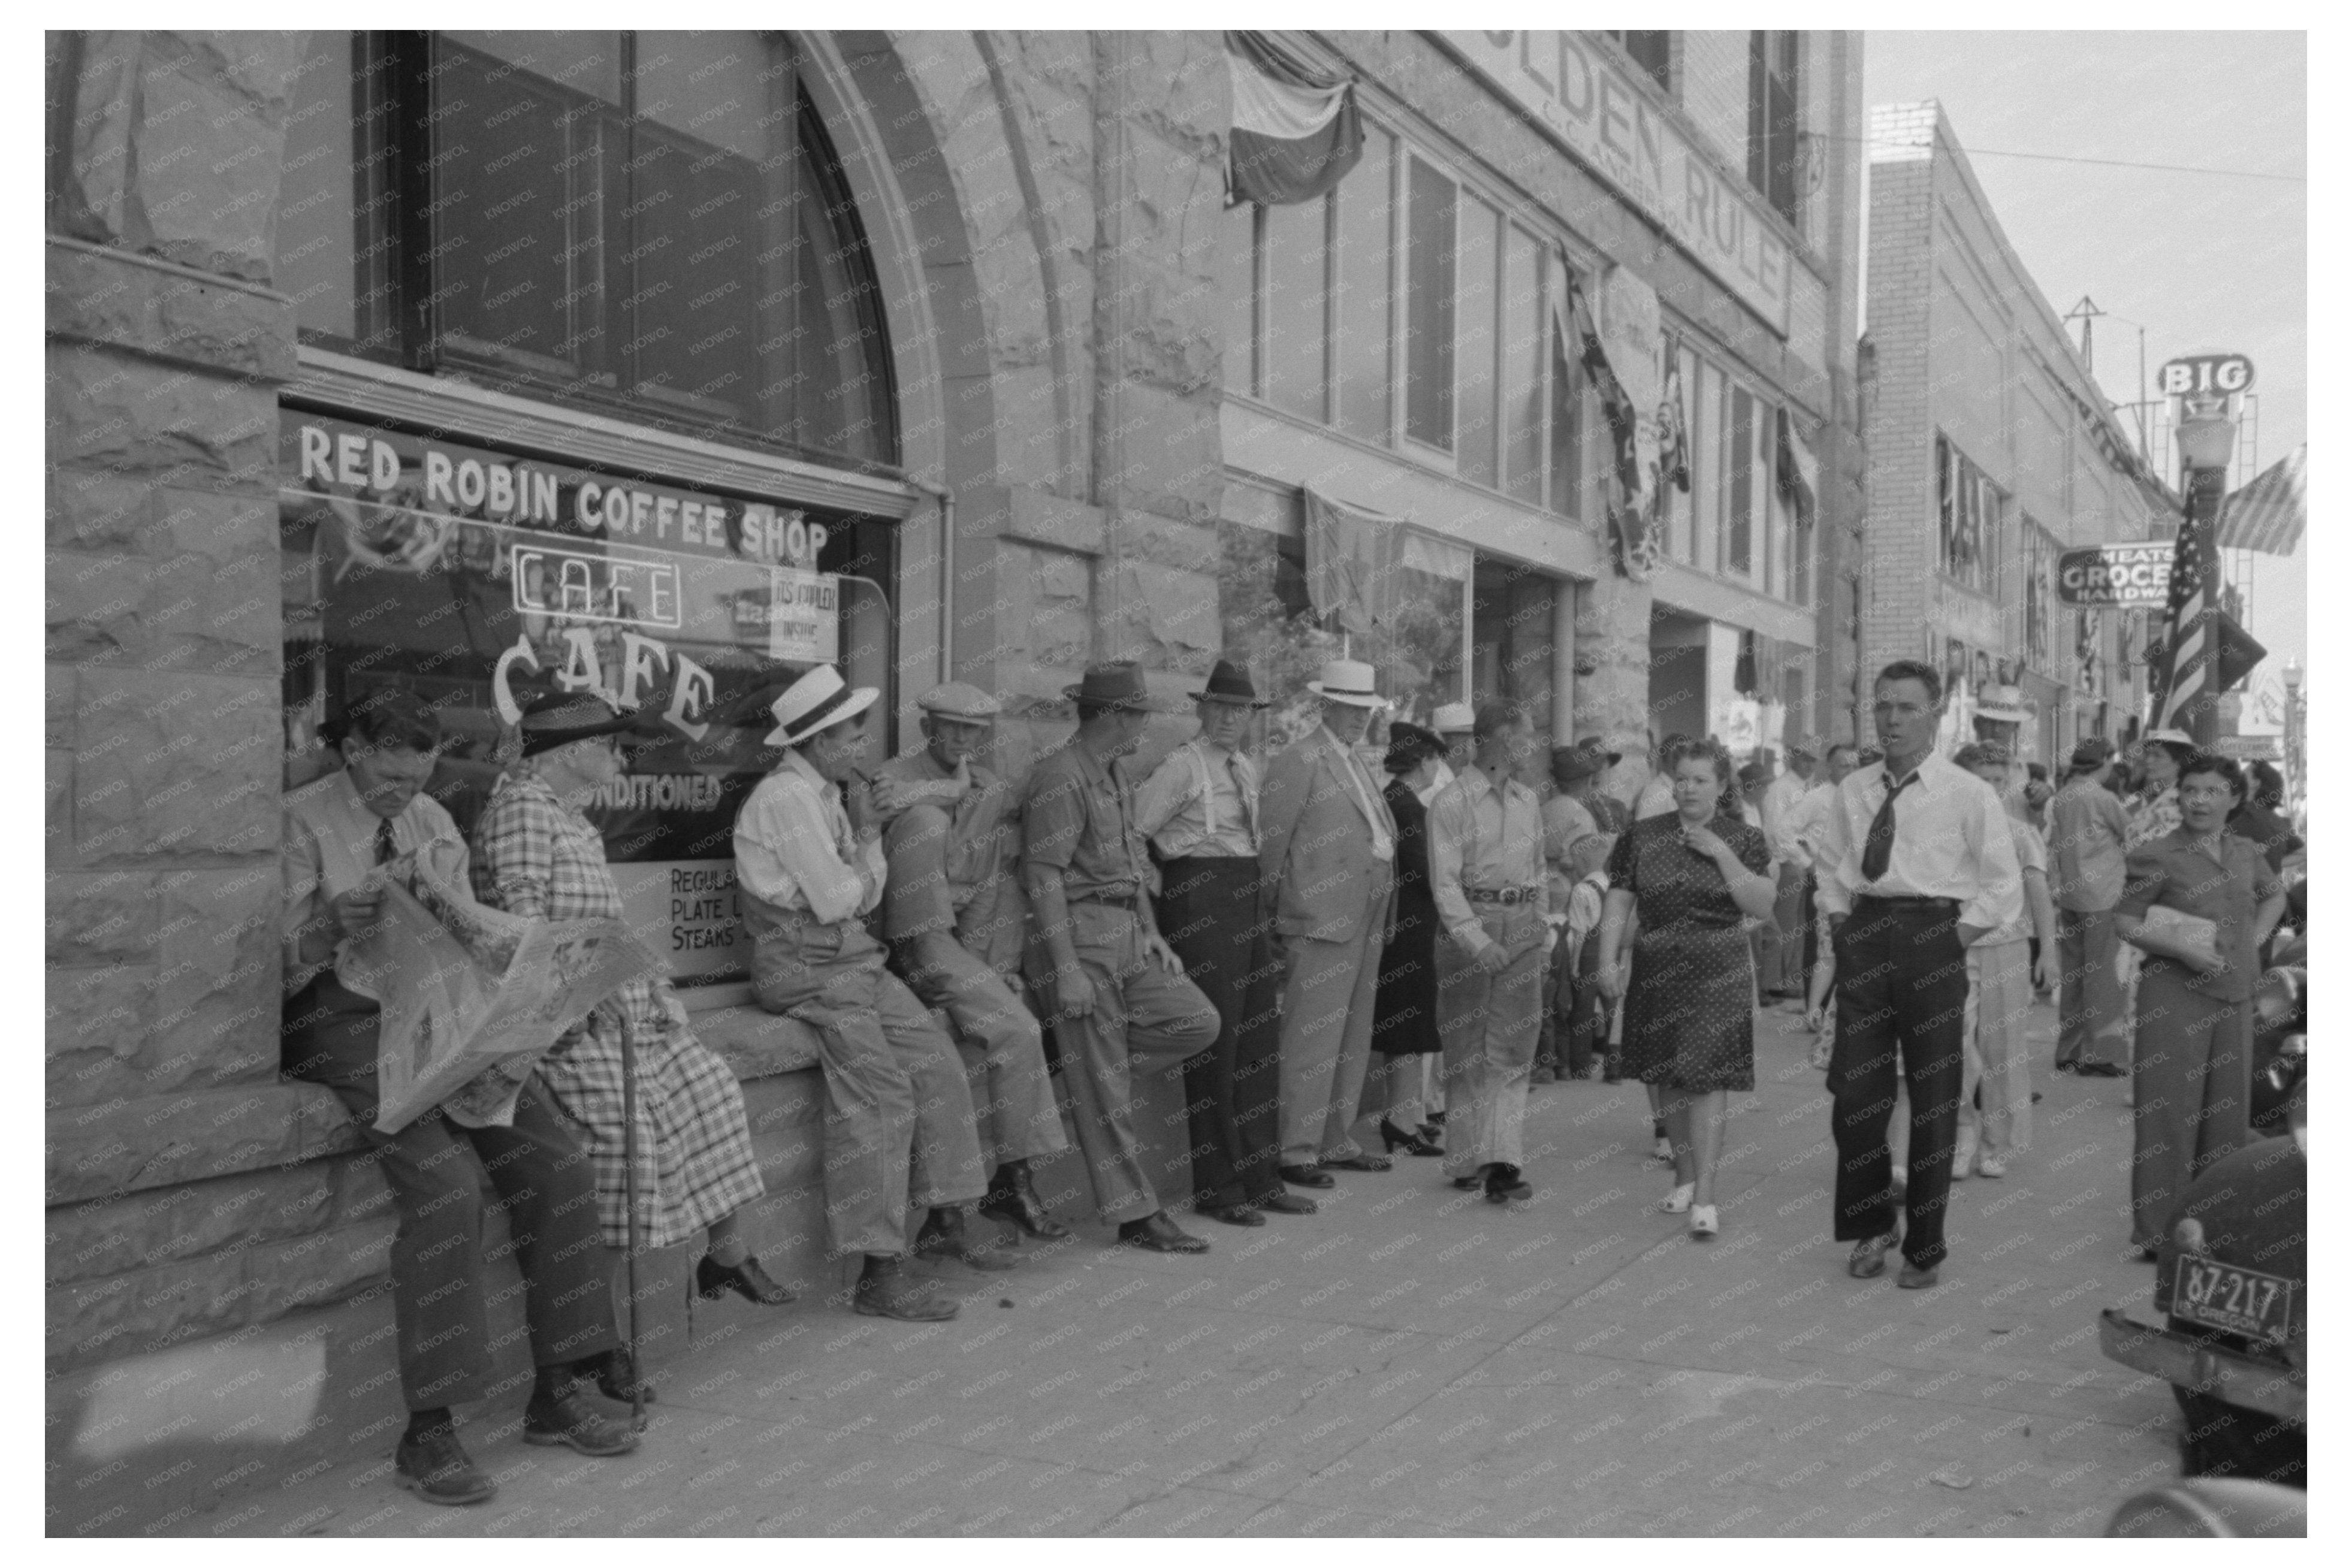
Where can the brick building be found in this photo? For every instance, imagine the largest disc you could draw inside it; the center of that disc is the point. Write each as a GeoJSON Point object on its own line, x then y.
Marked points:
{"type": "Point", "coordinates": [667, 364]}
{"type": "Point", "coordinates": [1990, 450]}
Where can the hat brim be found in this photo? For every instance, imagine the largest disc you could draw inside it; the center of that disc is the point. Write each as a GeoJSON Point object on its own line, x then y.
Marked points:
{"type": "Point", "coordinates": [535, 742]}
{"type": "Point", "coordinates": [1229, 700]}
{"type": "Point", "coordinates": [859, 699]}
{"type": "Point", "coordinates": [1353, 699]}
{"type": "Point", "coordinates": [1078, 694]}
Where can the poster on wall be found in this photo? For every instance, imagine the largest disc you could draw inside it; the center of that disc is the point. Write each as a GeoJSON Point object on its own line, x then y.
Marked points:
{"type": "Point", "coordinates": [475, 578]}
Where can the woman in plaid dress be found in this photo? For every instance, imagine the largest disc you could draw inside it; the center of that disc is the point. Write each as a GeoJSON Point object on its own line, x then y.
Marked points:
{"type": "Point", "coordinates": [536, 855]}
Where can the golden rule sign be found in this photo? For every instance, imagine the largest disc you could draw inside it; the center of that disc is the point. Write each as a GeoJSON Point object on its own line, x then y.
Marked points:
{"type": "Point", "coordinates": [1592, 106]}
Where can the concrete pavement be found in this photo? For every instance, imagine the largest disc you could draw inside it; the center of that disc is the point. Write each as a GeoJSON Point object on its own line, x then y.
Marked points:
{"type": "Point", "coordinates": [1414, 1361]}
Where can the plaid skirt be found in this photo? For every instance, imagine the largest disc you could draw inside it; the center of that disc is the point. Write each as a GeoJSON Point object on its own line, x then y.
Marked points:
{"type": "Point", "coordinates": [694, 1163]}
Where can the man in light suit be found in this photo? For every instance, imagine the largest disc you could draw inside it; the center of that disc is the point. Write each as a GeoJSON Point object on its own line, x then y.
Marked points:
{"type": "Point", "coordinates": [1328, 848]}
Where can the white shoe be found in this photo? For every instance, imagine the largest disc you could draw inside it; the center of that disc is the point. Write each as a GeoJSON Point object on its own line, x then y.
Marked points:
{"type": "Point", "coordinates": [1702, 1223]}
{"type": "Point", "coordinates": [1992, 1165]}
{"type": "Point", "coordinates": [1964, 1163]}
{"type": "Point", "coordinates": [1679, 1200]}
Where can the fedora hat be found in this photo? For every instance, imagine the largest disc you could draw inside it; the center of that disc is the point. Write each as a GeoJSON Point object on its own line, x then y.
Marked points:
{"type": "Point", "coordinates": [817, 701]}
{"type": "Point", "coordinates": [1347, 680]}
{"type": "Point", "coordinates": [1453, 718]}
{"type": "Point", "coordinates": [1570, 764]}
{"type": "Point", "coordinates": [1118, 684]}
{"type": "Point", "coordinates": [558, 718]}
{"type": "Point", "coordinates": [1230, 682]}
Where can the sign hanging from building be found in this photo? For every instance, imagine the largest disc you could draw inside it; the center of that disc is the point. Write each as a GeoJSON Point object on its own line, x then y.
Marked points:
{"type": "Point", "coordinates": [1593, 107]}
{"type": "Point", "coordinates": [2116, 577]}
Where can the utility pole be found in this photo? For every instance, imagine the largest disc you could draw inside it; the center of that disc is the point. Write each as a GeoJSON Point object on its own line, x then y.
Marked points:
{"type": "Point", "coordinates": [2085, 312]}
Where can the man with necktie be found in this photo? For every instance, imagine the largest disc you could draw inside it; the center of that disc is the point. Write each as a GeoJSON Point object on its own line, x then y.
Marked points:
{"type": "Point", "coordinates": [1200, 811]}
{"type": "Point", "coordinates": [1328, 848]}
{"type": "Point", "coordinates": [345, 835]}
{"type": "Point", "coordinates": [1915, 863]}
{"type": "Point", "coordinates": [1118, 990]}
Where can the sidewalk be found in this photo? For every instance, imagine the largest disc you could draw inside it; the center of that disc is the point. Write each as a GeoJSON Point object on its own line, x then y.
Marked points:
{"type": "Point", "coordinates": [1415, 1360]}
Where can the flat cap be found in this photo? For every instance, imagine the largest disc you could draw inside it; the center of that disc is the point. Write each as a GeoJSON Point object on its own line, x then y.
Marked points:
{"type": "Point", "coordinates": [958, 699]}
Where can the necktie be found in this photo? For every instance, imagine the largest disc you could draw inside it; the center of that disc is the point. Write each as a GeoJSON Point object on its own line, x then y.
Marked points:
{"type": "Point", "coordinates": [384, 850]}
{"type": "Point", "coordinates": [1879, 847]}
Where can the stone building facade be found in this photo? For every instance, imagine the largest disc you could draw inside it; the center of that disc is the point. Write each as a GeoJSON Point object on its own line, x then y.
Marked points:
{"type": "Point", "coordinates": [331, 402]}
{"type": "Point", "coordinates": [1990, 450]}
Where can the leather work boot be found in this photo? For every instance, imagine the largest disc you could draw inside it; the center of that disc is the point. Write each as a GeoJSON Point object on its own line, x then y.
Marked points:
{"type": "Point", "coordinates": [434, 1466]}
{"type": "Point", "coordinates": [559, 1415]}
{"type": "Point", "coordinates": [943, 1235]}
{"type": "Point", "coordinates": [884, 1291]}
{"type": "Point", "coordinates": [1013, 1197]}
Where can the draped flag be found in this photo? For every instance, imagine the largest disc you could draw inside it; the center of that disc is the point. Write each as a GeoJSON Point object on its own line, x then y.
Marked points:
{"type": "Point", "coordinates": [1631, 519]}
{"type": "Point", "coordinates": [1795, 469]}
{"type": "Point", "coordinates": [1673, 440]}
{"type": "Point", "coordinates": [1352, 560]}
{"type": "Point", "coordinates": [2204, 651]}
{"type": "Point", "coordinates": [1296, 130]}
{"type": "Point", "coordinates": [2267, 514]}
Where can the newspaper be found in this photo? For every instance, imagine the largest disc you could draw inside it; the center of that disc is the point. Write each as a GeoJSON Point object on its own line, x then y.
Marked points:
{"type": "Point", "coordinates": [2191, 930]}
{"type": "Point", "coordinates": [465, 986]}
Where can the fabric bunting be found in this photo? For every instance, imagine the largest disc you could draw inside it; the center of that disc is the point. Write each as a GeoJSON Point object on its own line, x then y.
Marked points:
{"type": "Point", "coordinates": [1296, 130]}
{"type": "Point", "coordinates": [2267, 514]}
{"type": "Point", "coordinates": [1632, 516]}
{"type": "Point", "coordinates": [1352, 560]}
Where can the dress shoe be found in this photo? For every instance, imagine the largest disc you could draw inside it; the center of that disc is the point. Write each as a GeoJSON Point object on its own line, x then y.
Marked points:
{"type": "Point", "coordinates": [1431, 1132]}
{"type": "Point", "coordinates": [616, 1374]}
{"type": "Point", "coordinates": [2097, 1070]}
{"type": "Point", "coordinates": [1868, 1259]}
{"type": "Point", "coordinates": [1412, 1142]}
{"type": "Point", "coordinates": [1505, 1185]}
{"type": "Point", "coordinates": [1915, 1278]}
{"type": "Point", "coordinates": [713, 1280]}
{"type": "Point", "coordinates": [884, 1290]}
{"type": "Point", "coordinates": [1703, 1223]}
{"type": "Point", "coordinates": [1435, 1119]}
{"type": "Point", "coordinates": [1158, 1233]}
{"type": "Point", "coordinates": [944, 1235]}
{"type": "Point", "coordinates": [1992, 1167]}
{"type": "Point", "coordinates": [435, 1467]}
{"type": "Point", "coordinates": [566, 1419]}
{"type": "Point", "coordinates": [1230, 1213]}
{"type": "Point", "coordinates": [1542, 1075]}
{"type": "Point", "coordinates": [1285, 1203]}
{"type": "Point", "coordinates": [1307, 1176]}
{"type": "Point", "coordinates": [1472, 1182]}
{"type": "Point", "coordinates": [2062, 1067]}
{"type": "Point", "coordinates": [1012, 1199]}
{"type": "Point", "coordinates": [1679, 1200]}
{"type": "Point", "coordinates": [1355, 1162]}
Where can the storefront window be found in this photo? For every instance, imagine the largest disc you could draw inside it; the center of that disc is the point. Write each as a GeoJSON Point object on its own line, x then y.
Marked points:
{"type": "Point", "coordinates": [1477, 425]}
{"type": "Point", "coordinates": [1269, 624]}
{"type": "Point", "coordinates": [1359, 345]}
{"type": "Point", "coordinates": [1738, 535]}
{"type": "Point", "coordinates": [474, 577]}
{"type": "Point", "coordinates": [648, 219]}
{"type": "Point", "coordinates": [1429, 307]}
{"type": "Point", "coordinates": [1297, 290]}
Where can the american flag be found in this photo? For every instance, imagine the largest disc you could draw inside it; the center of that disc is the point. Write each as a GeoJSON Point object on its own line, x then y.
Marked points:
{"type": "Point", "coordinates": [2189, 632]}
{"type": "Point", "coordinates": [2267, 514]}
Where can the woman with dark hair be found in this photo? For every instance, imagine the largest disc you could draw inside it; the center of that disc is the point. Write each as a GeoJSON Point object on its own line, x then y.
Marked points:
{"type": "Point", "coordinates": [1690, 1018]}
{"type": "Point", "coordinates": [1404, 1010]}
{"type": "Point", "coordinates": [2199, 901]}
{"type": "Point", "coordinates": [2259, 819]}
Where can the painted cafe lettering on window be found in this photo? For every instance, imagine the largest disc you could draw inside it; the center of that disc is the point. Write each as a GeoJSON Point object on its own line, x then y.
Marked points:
{"type": "Point", "coordinates": [1594, 109]}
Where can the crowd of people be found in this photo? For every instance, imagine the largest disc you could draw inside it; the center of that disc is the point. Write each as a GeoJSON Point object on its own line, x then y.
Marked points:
{"type": "Point", "coordinates": [1319, 952]}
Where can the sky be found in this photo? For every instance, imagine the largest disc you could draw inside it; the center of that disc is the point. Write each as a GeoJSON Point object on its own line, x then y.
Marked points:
{"type": "Point", "coordinates": [2201, 261]}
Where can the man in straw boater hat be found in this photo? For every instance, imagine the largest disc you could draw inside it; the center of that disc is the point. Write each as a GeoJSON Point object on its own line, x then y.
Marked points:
{"type": "Point", "coordinates": [1199, 809]}
{"type": "Point", "coordinates": [956, 923]}
{"type": "Point", "coordinates": [1328, 848]}
{"type": "Point", "coordinates": [344, 834]}
{"type": "Point", "coordinates": [898, 1123]}
{"type": "Point", "coordinates": [1116, 988]}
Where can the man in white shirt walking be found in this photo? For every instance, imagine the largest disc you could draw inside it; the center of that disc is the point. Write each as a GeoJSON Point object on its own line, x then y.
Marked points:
{"type": "Point", "coordinates": [809, 863]}
{"type": "Point", "coordinates": [1916, 863]}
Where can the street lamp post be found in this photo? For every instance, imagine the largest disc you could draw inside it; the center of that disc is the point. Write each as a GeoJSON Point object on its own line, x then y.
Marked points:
{"type": "Point", "coordinates": [2291, 741]}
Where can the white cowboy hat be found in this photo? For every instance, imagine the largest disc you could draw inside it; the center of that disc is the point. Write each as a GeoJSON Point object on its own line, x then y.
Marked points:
{"type": "Point", "coordinates": [1347, 680]}
{"type": "Point", "coordinates": [817, 701]}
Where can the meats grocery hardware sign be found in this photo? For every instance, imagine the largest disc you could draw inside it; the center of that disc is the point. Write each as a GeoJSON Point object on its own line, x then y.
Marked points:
{"type": "Point", "coordinates": [2116, 577]}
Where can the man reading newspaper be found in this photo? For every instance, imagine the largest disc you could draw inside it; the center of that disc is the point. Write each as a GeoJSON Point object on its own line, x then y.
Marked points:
{"type": "Point", "coordinates": [350, 838]}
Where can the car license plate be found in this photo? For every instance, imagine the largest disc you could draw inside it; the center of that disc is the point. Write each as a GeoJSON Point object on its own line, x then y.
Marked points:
{"type": "Point", "coordinates": [2240, 1301]}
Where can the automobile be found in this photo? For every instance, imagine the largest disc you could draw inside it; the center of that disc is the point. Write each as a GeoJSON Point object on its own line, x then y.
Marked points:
{"type": "Point", "coordinates": [2231, 1282]}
